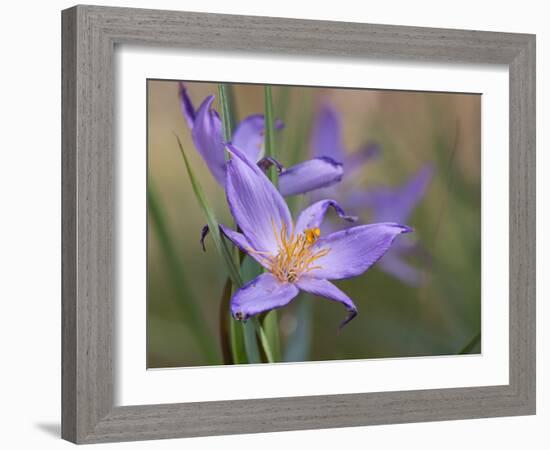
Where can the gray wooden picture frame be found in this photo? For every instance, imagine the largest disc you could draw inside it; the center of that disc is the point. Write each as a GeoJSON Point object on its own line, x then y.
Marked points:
{"type": "Point", "coordinates": [90, 34]}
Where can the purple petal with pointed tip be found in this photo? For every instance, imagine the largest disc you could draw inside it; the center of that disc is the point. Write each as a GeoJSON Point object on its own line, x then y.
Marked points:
{"type": "Point", "coordinates": [255, 203]}
{"type": "Point", "coordinates": [310, 175]}
{"type": "Point", "coordinates": [397, 204]}
{"type": "Point", "coordinates": [326, 137]}
{"type": "Point", "coordinates": [186, 105]}
{"type": "Point", "coordinates": [325, 288]}
{"type": "Point", "coordinates": [207, 137]}
{"type": "Point", "coordinates": [243, 243]}
{"type": "Point", "coordinates": [248, 137]}
{"type": "Point", "coordinates": [313, 215]}
{"type": "Point", "coordinates": [263, 293]}
{"type": "Point", "coordinates": [353, 250]}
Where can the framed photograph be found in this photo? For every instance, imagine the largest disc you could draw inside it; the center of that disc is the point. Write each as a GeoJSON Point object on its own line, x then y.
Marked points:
{"type": "Point", "coordinates": [277, 224]}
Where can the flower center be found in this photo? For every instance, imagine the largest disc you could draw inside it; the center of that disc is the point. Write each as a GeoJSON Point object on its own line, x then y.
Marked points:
{"type": "Point", "coordinates": [295, 256]}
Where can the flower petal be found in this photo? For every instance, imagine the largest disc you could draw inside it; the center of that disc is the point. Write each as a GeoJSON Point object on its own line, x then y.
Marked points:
{"type": "Point", "coordinates": [263, 293]}
{"type": "Point", "coordinates": [392, 264]}
{"type": "Point", "coordinates": [326, 138]}
{"type": "Point", "coordinates": [313, 215]}
{"type": "Point", "coordinates": [249, 136]}
{"type": "Point", "coordinates": [395, 205]}
{"type": "Point", "coordinates": [358, 159]}
{"type": "Point", "coordinates": [353, 250]}
{"type": "Point", "coordinates": [255, 203]}
{"type": "Point", "coordinates": [207, 137]}
{"type": "Point", "coordinates": [243, 243]}
{"type": "Point", "coordinates": [310, 175]}
{"type": "Point", "coordinates": [325, 288]}
{"type": "Point", "coordinates": [187, 108]}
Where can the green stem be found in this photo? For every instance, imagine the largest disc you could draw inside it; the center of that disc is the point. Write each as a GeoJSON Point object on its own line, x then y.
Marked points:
{"type": "Point", "coordinates": [269, 135]}
{"type": "Point", "coordinates": [471, 344]}
{"type": "Point", "coordinates": [238, 346]}
{"type": "Point", "coordinates": [271, 327]}
{"type": "Point", "coordinates": [264, 340]}
{"type": "Point", "coordinates": [227, 113]}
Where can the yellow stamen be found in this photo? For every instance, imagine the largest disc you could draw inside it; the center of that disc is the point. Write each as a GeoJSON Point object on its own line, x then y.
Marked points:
{"type": "Point", "coordinates": [295, 254]}
{"type": "Point", "coordinates": [312, 234]}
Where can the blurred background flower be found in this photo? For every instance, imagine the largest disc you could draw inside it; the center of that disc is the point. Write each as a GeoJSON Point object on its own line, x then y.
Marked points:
{"type": "Point", "coordinates": [417, 149]}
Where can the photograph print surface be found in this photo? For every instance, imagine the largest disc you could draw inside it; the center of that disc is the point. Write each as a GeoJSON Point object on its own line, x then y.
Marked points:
{"type": "Point", "coordinates": [295, 224]}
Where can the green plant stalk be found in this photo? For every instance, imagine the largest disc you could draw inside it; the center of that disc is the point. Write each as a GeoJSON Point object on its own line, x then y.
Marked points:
{"type": "Point", "coordinates": [264, 340]}
{"type": "Point", "coordinates": [227, 112]}
{"type": "Point", "coordinates": [269, 135]}
{"type": "Point", "coordinates": [223, 323]}
{"type": "Point", "coordinates": [186, 302]}
{"type": "Point", "coordinates": [471, 344]}
{"type": "Point", "coordinates": [238, 349]}
{"type": "Point", "coordinates": [212, 222]}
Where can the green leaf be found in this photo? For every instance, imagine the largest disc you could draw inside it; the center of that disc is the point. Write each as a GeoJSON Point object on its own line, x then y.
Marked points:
{"type": "Point", "coordinates": [271, 327]}
{"type": "Point", "coordinates": [227, 112]}
{"type": "Point", "coordinates": [219, 243]}
{"type": "Point", "coordinates": [187, 303]}
{"type": "Point", "coordinates": [238, 348]}
{"type": "Point", "coordinates": [471, 344]}
{"type": "Point", "coordinates": [225, 335]}
{"type": "Point", "coordinates": [264, 340]}
{"type": "Point", "coordinates": [299, 342]}
{"type": "Point", "coordinates": [269, 136]}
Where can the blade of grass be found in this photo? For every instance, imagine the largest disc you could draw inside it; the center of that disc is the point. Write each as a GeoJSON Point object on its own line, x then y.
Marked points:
{"type": "Point", "coordinates": [227, 112]}
{"type": "Point", "coordinates": [299, 342]}
{"type": "Point", "coordinates": [238, 347]}
{"type": "Point", "coordinates": [271, 327]}
{"type": "Point", "coordinates": [186, 302]}
{"type": "Point", "coordinates": [269, 135]}
{"type": "Point", "coordinates": [264, 340]}
{"type": "Point", "coordinates": [219, 243]}
{"type": "Point", "coordinates": [225, 339]}
{"type": "Point", "coordinates": [471, 344]}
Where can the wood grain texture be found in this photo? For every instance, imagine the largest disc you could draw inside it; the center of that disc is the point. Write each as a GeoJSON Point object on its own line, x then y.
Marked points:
{"type": "Point", "coordinates": [88, 305]}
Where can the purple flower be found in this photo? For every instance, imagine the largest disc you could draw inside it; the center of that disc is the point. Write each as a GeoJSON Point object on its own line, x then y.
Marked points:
{"type": "Point", "coordinates": [294, 255]}
{"type": "Point", "coordinates": [384, 204]}
{"type": "Point", "coordinates": [396, 204]}
{"type": "Point", "coordinates": [326, 141]}
{"type": "Point", "coordinates": [248, 137]}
